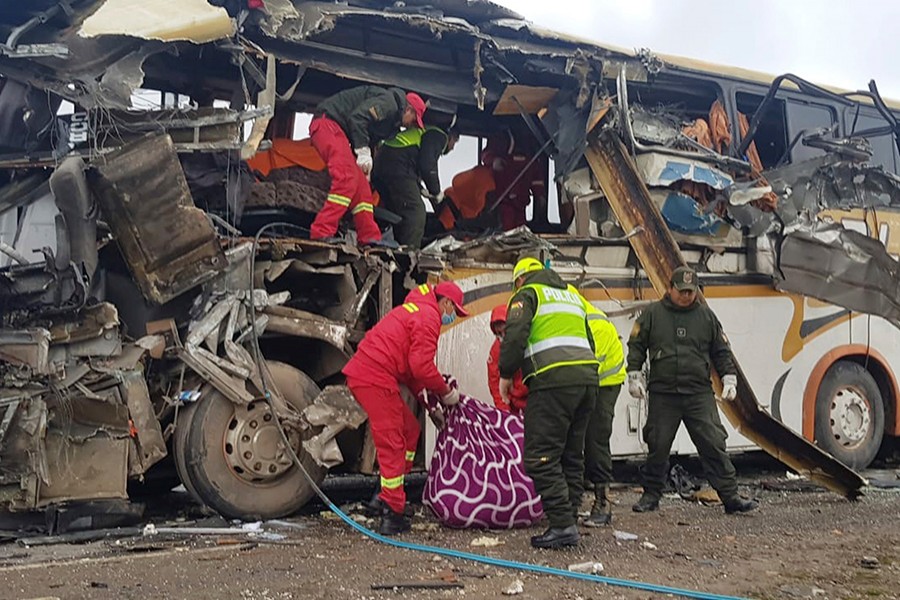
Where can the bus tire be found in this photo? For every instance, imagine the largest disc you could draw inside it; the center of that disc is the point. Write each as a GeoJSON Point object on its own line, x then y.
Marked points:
{"type": "Point", "coordinates": [180, 450]}
{"type": "Point", "coordinates": [849, 419]}
{"type": "Point", "coordinates": [235, 459]}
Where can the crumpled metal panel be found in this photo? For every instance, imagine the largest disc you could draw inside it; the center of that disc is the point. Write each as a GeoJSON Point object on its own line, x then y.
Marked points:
{"type": "Point", "coordinates": [843, 267]}
{"type": "Point", "coordinates": [169, 244]}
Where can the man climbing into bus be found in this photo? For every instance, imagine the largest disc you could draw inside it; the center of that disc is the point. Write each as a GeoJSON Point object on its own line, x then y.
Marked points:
{"type": "Point", "coordinates": [518, 395]}
{"type": "Point", "coordinates": [400, 350]}
{"type": "Point", "coordinates": [547, 338]}
{"type": "Point", "coordinates": [683, 336]}
{"type": "Point", "coordinates": [400, 163]}
{"type": "Point", "coordinates": [597, 455]}
{"type": "Point", "coordinates": [347, 124]}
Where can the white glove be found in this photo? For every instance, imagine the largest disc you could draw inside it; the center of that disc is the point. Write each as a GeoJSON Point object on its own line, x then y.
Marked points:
{"type": "Point", "coordinates": [729, 387]}
{"type": "Point", "coordinates": [439, 198]}
{"type": "Point", "coordinates": [364, 159]}
{"type": "Point", "coordinates": [450, 398]}
{"type": "Point", "coordinates": [636, 386]}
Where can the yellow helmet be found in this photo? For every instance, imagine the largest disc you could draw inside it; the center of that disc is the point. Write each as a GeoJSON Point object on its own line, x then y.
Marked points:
{"type": "Point", "coordinates": [526, 265]}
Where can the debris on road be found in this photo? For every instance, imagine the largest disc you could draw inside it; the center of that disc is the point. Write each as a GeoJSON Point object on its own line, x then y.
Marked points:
{"type": "Point", "coordinates": [590, 567]}
{"type": "Point", "coordinates": [486, 541]}
{"type": "Point", "coordinates": [624, 536]}
{"type": "Point", "coordinates": [515, 588]}
{"type": "Point", "coordinates": [869, 562]}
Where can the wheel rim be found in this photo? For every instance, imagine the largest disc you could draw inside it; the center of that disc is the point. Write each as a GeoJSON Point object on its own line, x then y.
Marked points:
{"type": "Point", "coordinates": [254, 449]}
{"type": "Point", "coordinates": [851, 416]}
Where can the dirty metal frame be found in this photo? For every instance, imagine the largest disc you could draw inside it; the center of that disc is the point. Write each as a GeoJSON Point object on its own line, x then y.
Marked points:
{"type": "Point", "coordinates": [660, 255]}
{"type": "Point", "coordinates": [635, 145]}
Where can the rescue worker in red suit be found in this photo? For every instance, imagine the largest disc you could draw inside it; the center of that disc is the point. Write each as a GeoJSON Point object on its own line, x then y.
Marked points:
{"type": "Point", "coordinates": [518, 395]}
{"type": "Point", "coordinates": [508, 157]}
{"type": "Point", "coordinates": [400, 350]}
{"type": "Point", "coordinates": [346, 124]}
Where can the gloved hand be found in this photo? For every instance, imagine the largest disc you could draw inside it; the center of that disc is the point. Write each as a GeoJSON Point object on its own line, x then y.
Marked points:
{"type": "Point", "coordinates": [636, 386]}
{"type": "Point", "coordinates": [505, 388]}
{"type": "Point", "coordinates": [451, 398]}
{"type": "Point", "coordinates": [439, 198]}
{"type": "Point", "coordinates": [437, 417]}
{"type": "Point", "coordinates": [729, 387]}
{"type": "Point", "coordinates": [364, 159]}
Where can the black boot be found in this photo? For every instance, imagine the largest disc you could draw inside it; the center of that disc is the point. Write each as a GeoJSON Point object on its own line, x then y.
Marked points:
{"type": "Point", "coordinates": [647, 503]}
{"type": "Point", "coordinates": [375, 506]}
{"type": "Point", "coordinates": [737, 504]}
{"type": "Point", "coordinates": [601, 512]}
{"type": "Point", "coordinates": [393, 523]}
{"type": "Point", "coordinates": [557, 537]}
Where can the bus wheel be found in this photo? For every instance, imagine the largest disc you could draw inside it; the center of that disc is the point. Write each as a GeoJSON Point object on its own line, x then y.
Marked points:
{"type": "Point", "coordinates": [849, 414]}
{"type": "Point", "coordinates": [235, 457]}
{"type": "Point", "coordinates": [180, 452]}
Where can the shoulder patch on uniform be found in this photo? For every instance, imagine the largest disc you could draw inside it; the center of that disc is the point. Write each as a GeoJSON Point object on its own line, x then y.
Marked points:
{"type": "Point", "coordinates": [635, 329]}
{"type": "Point", "coordinates": [515, 310]}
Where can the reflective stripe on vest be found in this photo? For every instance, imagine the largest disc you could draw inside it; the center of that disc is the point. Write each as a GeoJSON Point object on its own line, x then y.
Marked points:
{"type": "Point", "coordinates": [558, 334]}
{"type": "Point", "coordinates": [612, 364]}
{"type": "Point", "coordinates": [411, 137]}
{"type": "Point", "coordinates": [410, 307]}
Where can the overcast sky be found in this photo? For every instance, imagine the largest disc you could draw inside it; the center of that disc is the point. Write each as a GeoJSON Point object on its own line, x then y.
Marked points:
{"type": "Point", "coordinates": [838, 42]}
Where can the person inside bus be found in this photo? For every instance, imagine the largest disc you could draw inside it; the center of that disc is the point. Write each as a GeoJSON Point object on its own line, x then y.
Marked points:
{"type": "Point", "coordinates": [518, 180]}
{"type": "Point", "coordinates": [518, 395]}
{"type": "Point", "coordinates": [401, 163]}
{"type": "Point", "coordinates": [683, 337]}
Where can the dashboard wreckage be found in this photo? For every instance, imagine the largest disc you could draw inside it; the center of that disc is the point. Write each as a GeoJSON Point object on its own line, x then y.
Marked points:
{"type": "Point", "coordinates": [143, 268]}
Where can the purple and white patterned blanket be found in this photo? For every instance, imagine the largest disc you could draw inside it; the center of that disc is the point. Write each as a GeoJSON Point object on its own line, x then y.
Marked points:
{"type": "Point", "coordinates": [476, 478]}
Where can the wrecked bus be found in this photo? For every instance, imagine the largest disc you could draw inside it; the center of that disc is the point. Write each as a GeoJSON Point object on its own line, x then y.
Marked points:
{"type": "Point", "coordinates": [165, 320]}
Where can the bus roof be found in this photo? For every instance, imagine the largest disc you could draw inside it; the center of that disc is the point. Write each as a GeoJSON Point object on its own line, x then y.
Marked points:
{"type": "Point", "coordinates": [690, 64]}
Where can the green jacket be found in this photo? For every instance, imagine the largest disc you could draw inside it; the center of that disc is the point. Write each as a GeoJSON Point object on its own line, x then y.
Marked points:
{"type": "Point", "coordinates": [682, 343]}
{"type": "Point", "coordinates": [521, 312]}
{"type": "Point", "coordinates": [366, 113]}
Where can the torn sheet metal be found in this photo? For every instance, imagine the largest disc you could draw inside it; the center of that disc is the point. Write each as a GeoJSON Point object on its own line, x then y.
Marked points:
{"type": "Point", "coordinates": [807, 187]}
{"type": "Point", "coordinates": [506, 247]}
{"type": "Point", "coordinates": [684, 215]}
{"type": "Point", "coordinates": [27, 348]}
{"type": "Point", "coordinates": [335, 409]}
{"type": "Point", "coordinates": [169, 244]}
{"type": "Point", "coordinates": [661, 170]}
{"type": "Point", "coordinates": [147, 444]}
{"type": "Point", "coordinates": [659, 255]}
{"type": "Point", "coordinates": [290, 321]}
{"type": "Point", "coordinates": [166, 20]}
{"type": "Point", "coordinates": [842, 267]}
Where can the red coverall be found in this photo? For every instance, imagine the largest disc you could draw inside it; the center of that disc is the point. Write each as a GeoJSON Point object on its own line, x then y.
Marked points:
{"type": "Point", "coordinates": [507, 162]}
{"type": "Point", "coordinates": [518, 395]}
{"type": "Point", "coordinates": [349, 186]}
{"type": "Point", "coordinates": [400, 349]}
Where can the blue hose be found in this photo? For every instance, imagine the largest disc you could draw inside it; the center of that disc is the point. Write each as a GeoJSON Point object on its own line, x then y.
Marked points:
{"type": "Point", "coordinates": [511, 564]}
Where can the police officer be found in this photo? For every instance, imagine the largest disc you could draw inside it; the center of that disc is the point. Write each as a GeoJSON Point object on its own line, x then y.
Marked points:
{"type": "Point", "coordinates": [546, 336]}
{"type": "Point", "coordinates": [597, 455]}
{"type": "Point", "coordinates": [400, 163]}
{"type": "Point", "coordinates": [682, 336]}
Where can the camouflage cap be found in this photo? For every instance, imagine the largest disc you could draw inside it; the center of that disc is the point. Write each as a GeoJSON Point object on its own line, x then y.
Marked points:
{"type": "Point", "coordinates": [684, 278]}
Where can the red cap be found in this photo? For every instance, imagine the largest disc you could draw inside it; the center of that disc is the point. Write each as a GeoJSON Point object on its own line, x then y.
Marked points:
{"type": "Point", "coordinates": [448, 289]}
{"type": "Point", "coordinates": [418, 105]}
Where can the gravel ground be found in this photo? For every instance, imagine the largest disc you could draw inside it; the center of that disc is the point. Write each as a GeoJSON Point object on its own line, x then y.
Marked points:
{"type": "Point", "coordinates": [800, 544]}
